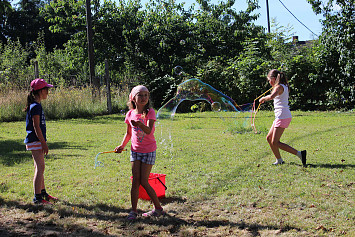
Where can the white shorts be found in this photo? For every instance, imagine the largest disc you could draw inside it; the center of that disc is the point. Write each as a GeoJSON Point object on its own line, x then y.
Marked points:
{"type": "Point", "coordinates": [33, 146]}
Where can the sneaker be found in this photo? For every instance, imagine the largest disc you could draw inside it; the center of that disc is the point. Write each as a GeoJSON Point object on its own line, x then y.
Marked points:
{"type": "Point", "coordinates": [49, 198]}
{"type": "Point", "coordinates": [41, 202]}
{"type": "Point", "coordinates": [132, 215]}
{"type": "Point", "coordinates": [279, 163]}
{"type": "Point", "coordinates": [304, 157]}
{"type": "Point", "coordinates": [154, 212]}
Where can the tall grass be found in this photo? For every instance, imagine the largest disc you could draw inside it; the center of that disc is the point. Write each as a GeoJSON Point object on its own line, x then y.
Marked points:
{"type": "Point", "coordinates": [62, 103]}
{"type": "Point", "coordinates": [12, 103]}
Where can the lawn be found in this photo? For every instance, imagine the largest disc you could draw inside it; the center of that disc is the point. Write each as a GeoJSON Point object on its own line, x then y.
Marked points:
{"type": "Point", "coordinates": [219, 177]}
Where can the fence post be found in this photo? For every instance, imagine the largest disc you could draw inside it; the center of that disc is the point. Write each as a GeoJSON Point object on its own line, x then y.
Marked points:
{"type": "Point", "coordinates": [107, 76]}
{"type": "Point", "coordinates": [35, 65]}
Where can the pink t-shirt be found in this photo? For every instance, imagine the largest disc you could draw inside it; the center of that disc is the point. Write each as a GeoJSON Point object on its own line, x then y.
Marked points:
{"type": "Point", "coordinates": [140, 141]}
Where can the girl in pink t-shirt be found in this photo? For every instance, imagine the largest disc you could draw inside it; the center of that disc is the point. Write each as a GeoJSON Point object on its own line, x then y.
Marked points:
{"type": "Point", "coordinates": [283, 116]}
{"type": "Point", "coordinates": [140, 121]}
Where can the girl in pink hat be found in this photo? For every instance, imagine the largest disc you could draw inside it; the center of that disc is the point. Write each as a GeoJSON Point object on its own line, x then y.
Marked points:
{"type": "Point", "coordinates": [140, 121]}
{"type": "Point", "coordinates": [36, 140]}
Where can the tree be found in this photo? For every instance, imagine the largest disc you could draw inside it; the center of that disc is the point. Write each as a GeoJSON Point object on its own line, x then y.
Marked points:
{"type": "Point", "coordinates": [5, 9]}
{"type": "Point", "coordinates": [5, 6]}
{"type": "Point", "coordinates": [232, 49]}
{"type": "Point", "coordinates": [336, 54]}
{"type": "Point", "coordinates": [26, 22]}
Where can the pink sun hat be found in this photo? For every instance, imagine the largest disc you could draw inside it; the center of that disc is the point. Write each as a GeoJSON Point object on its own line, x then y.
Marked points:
{"type": "Point", "coordinates": [136, 90]}
{"type": "Point", "coordinates": [38, 84]}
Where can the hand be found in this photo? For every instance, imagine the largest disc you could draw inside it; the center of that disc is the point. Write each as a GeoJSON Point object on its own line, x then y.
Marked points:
{"type": "Point", "coordinates": [119, 149]}
{"type": "Point", "coordinates": [262, 100]}
{"type": "Point", "coordinates": [136, 123]}
{"type": "Point", "coordinates": [45, 148]}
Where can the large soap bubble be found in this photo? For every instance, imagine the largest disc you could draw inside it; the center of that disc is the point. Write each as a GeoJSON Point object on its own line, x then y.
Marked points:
{"type": "Point", "coordinates": [223, 108]}
{"type": "Point", "coordinates": [227, 19]}
{"type": "Point", "coordinates": [195, 90]}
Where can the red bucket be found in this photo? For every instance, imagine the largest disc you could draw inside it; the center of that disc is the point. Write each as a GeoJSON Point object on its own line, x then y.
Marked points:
{"type": "Point", "coordinates": [157, 181]}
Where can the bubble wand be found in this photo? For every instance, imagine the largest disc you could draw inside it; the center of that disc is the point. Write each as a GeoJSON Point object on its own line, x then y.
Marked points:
{"type": "Point", "coordinates": [99, 163]}
{"type": "Point", "coordinates": [256, 111]}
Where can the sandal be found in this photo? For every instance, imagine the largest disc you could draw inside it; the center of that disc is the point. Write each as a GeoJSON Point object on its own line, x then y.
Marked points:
{"type": "Point", "coordinates": [154, 212]}
{"type": "Point", "coordinates": [48, 197]}
{"type": "Point", "coordinates": [132, 215]}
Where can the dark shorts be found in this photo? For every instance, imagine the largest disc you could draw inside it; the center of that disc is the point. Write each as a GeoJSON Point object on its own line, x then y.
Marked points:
{"type": "Point", "coordinates": [147, 158]}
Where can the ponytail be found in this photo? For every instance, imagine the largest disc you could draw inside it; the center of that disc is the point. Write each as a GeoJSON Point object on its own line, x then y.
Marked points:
{"type": "Point", "coordinates": [30, 99]}
{"type": "Point", "coordinates": [280, 77]}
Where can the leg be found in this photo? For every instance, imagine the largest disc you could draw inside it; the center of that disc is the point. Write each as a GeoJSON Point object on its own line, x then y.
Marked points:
{"type": "Point", "coordinates": [270, 137]}
{"type": "Point", "coordinates": [276, 141]}
{"type": "Point", "coordinates": [145, 171]}
{"type": "Point", "coordinates": [38, 179]}
{"type": "Point", "coordinates": [136, 167]}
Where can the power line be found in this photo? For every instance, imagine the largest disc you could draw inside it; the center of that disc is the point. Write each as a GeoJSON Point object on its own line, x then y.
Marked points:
{"type": "Point", "coordinates": [297, 18]}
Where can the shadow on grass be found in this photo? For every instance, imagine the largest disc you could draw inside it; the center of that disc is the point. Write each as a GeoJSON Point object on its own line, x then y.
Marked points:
{"type": "Point", "coordinates": [327, 166]}
{"type": "Point", "coordinates": [172, 199]}
{"type": "Point", "coordinates": [331, 166]}
{"type": "Point", "coordinates": [111, 214]}
{"type": "Point", "coordinates": [14, 151]}
{"type": "Point", "coordinates": [35, 227]}
{"type": "Point", "coordinates": [176, 224]}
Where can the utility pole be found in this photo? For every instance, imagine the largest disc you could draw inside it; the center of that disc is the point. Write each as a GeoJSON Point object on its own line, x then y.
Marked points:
{"type": "Point", "coordinates": [267, 14]}
{"type": "Point", "coordinates": [91, 48]}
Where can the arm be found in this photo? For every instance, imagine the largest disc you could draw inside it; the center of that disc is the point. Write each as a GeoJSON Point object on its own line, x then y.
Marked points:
{"type": "Point", "coordinates": [36, 120]}
{"type": "Point", "coordinates": [146, 129]}
{"type": "Point", "coordinates": [278, 90]}
{"type": "Point", "coordinates": [125, 140]}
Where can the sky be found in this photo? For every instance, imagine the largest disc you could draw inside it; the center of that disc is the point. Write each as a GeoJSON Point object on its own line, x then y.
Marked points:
{"type": "Point", "coordinates": [300, 8]}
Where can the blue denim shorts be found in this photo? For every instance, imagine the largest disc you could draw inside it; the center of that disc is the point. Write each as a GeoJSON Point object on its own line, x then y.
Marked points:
{"type": "Point", "coordinates": [147, 158]}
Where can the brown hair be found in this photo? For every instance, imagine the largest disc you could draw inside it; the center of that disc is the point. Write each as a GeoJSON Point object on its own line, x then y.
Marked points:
{"type": "Point", "coordinates": [132, 105]}
{"type": "Point", "coordinates": [31, 97]}
{"type": "Point", "coordinates": [280, 77]}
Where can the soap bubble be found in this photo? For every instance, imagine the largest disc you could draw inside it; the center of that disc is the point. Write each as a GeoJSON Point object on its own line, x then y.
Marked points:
{"type": "Point", "coordinates": [195, 90]}
{"type": "Point", "coordinates": [182, 42]}
{"type": "Point", "coordinates": [164, 139]}
{"type": "Point", "coordinates": [236, 117]}
{"type": "Point", "coordinates": [216, 106]}
{"type": "Point", "coordinates": [227, 116]}
{"type": "Point", "coordinates": [178, 70]}
{"type": "Point", "coordinates": [227, 19]}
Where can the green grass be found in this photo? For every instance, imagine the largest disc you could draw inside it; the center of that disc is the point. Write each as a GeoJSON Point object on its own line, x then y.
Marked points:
{"type": "Point", "coordinates": [219, 176]}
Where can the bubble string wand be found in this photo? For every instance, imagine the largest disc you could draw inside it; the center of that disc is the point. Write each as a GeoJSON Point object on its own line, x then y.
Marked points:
{"type": "Point", "coordinates": [256, 111]}
{"type": "Point", "coordinates": [99, 163]}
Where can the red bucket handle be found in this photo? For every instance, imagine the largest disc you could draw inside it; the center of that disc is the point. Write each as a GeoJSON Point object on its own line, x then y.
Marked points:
{"type": "Point", "coordinates": [162, 183]}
